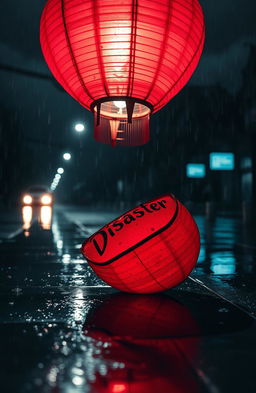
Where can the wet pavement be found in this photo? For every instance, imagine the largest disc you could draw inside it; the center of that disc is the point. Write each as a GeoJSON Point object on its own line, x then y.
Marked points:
{"type": "Point", "coordinates": [64, 331]}
{"type": "Point", "coordinates": [227, 261]}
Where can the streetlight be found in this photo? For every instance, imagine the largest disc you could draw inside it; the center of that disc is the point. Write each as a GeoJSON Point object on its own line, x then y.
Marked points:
{"type": "Point", "coordinates": [79, 127]}
{"type": "Point", "coordinates": [60, 171]}
{"type": "Point", "coordinates": [67, 156]}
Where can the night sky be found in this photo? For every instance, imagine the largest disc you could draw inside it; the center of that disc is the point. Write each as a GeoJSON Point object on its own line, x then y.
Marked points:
{"type": "Point", "coordinates": [44, 115]}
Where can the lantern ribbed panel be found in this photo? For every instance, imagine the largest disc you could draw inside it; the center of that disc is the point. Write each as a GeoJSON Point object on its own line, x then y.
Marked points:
{"type": "Point", "coordinates": [143, 49]}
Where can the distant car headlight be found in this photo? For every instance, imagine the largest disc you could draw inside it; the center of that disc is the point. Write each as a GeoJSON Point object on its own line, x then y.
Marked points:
{"type": "Point", "coordinates": [46, 199]}
{"type": "Point", "coordinates": [27, 199]}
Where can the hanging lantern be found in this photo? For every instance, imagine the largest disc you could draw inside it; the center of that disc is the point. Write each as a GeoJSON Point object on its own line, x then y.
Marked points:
{"type": "Point", "coordinates": [122, 59]}
{"type": "Point", "coordinates": [151, 248]}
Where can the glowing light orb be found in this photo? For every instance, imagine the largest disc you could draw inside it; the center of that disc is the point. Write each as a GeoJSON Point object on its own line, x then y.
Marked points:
{"type": "Point", "coordinates": [79, 127]}
{"type": "Point", "coordinates": [67, 156]}
{"type": "Point", "coordinates": [27, 199]}
{"type": "Point", "coordinates": [46, 199]}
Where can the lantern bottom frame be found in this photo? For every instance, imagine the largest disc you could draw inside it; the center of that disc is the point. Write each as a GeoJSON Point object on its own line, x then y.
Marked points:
{"type": "Point", "coordinates": [121, 121]}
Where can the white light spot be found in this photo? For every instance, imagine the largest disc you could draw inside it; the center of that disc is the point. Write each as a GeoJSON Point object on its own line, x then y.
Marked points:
{"type": "Point", "coordinates": [120, 104]}
{"type": "Point", "coordinates": [78, 381]}
{"type": "Point", "coordinates": [79, 127]}
{"type": "Point", "coordinates": [67, 156]}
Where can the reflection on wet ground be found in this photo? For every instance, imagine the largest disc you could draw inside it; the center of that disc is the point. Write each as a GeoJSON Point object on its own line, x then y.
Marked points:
{"type": "Point", "coordinates": [155, 339]}
{"type": "Point", "coordinates": [227, 260]}
{"type": "Point", "coordinates": [62, 330]}
{"type": "Point", "coordinates": [43, 214]}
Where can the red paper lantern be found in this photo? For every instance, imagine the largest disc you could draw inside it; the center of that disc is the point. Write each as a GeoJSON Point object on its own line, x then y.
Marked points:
{"type": "Point", "coordinates": [148, 249]}
{"type": "Point", "coordinates": [122, 59]}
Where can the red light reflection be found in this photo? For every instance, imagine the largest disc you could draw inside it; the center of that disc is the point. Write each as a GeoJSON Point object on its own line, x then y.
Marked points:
{"type": "Point", "coordinates": [153, 337]}
{"type": "Point", "coordinates": [118, 388]}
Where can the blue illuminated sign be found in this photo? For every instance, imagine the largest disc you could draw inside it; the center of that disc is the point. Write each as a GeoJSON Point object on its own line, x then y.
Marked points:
{"type": "Point", "coordinates": [222, 161]}
{"type": "Point", "coordinates": [195, 170]}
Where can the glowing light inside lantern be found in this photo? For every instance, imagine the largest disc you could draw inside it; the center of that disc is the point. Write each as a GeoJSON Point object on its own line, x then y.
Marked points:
{"type": "Point", "coordinates": [120, 104]}
{"type": "Point", "coordinates": [119, 47]}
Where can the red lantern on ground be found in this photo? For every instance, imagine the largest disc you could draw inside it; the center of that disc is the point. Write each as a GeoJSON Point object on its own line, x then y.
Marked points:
{"type": "Point", "coordinates": [123, 60]}
{"type": "Point", "coordinates": [149, 249]}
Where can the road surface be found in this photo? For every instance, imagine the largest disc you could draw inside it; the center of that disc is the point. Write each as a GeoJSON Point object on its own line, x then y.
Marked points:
{"type": "Point", "coordinates": [64, 331]}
